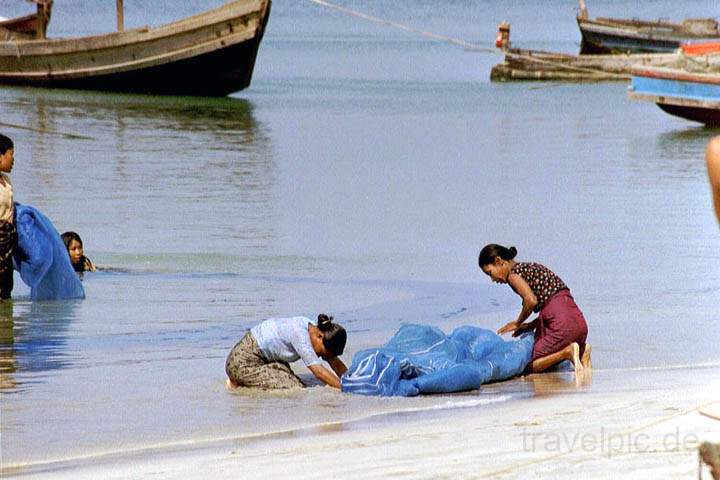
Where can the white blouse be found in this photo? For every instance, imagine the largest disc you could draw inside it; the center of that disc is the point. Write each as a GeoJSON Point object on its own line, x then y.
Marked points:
{"type": "Point", "coordinates": [7, 209]}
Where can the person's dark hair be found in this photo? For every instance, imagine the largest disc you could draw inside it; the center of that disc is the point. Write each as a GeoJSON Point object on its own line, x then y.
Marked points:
{"type": "Point", "coordinates": [489, 252]}
{"type": "Point", "coordinates": [334, 335]}
{"type": "Point", "coordinates": [67, 237]}
{"type": "Point", "coordinates": [5, 144]}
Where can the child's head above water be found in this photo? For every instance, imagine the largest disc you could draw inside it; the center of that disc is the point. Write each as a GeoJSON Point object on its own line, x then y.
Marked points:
{"type": "Point", "coordinates": [495, 261]}
{"type": "Point", "coordinates": [7, 151]}
{"type": "Point", "coordinates": [74, 246]}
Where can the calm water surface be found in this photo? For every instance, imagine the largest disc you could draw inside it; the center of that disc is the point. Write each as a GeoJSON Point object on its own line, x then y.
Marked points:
{"type": "Point", "coordinates": [358, 175]}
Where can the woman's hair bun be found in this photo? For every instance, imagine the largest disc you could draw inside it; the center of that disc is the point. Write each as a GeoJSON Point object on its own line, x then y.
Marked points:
{"type": "Point", "coordinates": [324, 320]}
{"type": "Point", "coordinates": [513, 252]}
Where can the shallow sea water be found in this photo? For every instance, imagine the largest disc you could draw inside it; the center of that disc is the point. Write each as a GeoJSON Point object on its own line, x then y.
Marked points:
{"type": "Point", "coordinates": [359, 175]}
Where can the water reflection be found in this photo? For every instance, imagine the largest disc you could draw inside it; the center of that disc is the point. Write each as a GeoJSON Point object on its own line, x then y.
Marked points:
{"type": "Point", "coordinates": [688, 143]}
{"type": "Point", "coordinates": [34, 341]}
{"type": "Point", "coordinates": [674, 155]}
{"type": "Point", "coordinates": [553, 383]}
{"type": "Point", "coordinates": [58, 113]}
{"type": "Point", "coordinates": [170, 170]}
{"type": "Point", "coordinates": [7, 357]}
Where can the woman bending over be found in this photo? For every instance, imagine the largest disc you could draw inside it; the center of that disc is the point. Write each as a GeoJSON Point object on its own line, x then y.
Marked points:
{"type": "Point", "coordinates": [560, 327]}
{"type": "Point", "coordinates": [262, 358]}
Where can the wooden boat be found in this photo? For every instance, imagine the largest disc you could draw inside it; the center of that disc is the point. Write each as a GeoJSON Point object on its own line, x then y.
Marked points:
{"type": "Point", "coordinates": [30, 26]}
{"type": "Point", "coordinates": [611, 35]}
{"type": "Point", "coordinates": [520, 64]}
{"type": "Point", "coordinates": [209, 54]}
{"type": "Point", "coordinates": [689, 89]}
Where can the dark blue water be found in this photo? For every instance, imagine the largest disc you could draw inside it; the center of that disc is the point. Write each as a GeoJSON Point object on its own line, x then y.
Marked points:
{"type": "Point", "coordinates": [359, 175]}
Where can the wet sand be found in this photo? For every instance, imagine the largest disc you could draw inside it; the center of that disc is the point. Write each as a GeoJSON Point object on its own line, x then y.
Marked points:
{"type": "Point", "coordinates": [637, 424]}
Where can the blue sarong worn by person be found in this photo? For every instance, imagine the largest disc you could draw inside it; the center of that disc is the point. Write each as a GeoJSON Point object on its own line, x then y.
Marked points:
{"type": "Point", "coordinates": [262, 358]}
{"type": "Point", "coordinates": [8, 232]}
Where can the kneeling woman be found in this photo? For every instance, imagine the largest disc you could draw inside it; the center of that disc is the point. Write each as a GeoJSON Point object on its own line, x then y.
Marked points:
{"type": "Point", "coordinates": [261, 359]}
{"type": "Point", "coordinates": [560, 328]}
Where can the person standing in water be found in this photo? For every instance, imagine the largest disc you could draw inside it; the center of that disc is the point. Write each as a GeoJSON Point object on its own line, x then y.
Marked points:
{"type": "Point", "coordinates": [560, 327]}
{"type": "Point", "coordinates": [261, 358]}
{"type": "Point", "coordinates": [8, 232]}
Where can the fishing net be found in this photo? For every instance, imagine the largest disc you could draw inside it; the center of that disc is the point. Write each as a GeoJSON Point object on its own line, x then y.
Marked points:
{"type": "Point", "coordinates": [422, 359]}
{"type": "Point", "coordinates": [42, 259]}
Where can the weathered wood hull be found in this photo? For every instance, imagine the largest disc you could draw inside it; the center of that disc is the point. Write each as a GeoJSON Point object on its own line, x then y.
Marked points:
{"type": "Point", "coordinates": [680, 93]}
{"type": "Point", "coordinates": [211, 54]}
{"type": "Point", "coordinates": [25, 27]}
{"type": "Point", "coordinates": [608, 36]}
{"type": "Point", "coordinates": [522, 64]}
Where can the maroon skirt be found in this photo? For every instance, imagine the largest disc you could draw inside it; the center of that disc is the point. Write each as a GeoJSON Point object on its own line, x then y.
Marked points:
{"type": "Point", "coordinates": [559, 324]}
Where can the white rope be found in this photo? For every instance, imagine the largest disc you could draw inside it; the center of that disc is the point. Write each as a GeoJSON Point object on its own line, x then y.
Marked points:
{"type": "Point", "coordinates": [401, 26]}
{"type": "Point", "coordinates": [599, 74]}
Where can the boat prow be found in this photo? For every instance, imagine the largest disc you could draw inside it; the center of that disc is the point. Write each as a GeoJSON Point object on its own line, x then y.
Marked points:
{"type": "Point", "coordinates": [614, 35]}
{"type": "Point", "coordinates": [209, 54]}
{"type": "Point", "coordinates": [690, 90]}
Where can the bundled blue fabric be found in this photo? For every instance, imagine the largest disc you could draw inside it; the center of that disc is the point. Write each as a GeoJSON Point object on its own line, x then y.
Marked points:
{"type": "Point", "coordinates": [42, 259]}
{"type": "Point", "coordinates": [422, 359]}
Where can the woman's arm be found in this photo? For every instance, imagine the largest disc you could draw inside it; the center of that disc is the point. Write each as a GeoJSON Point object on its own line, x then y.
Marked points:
{"type": "Point", "coordinates": [338, 366]}
{"type": "Point", "coordinates": [325, 376]}
{"type": "Point", "coordinates": [529, 302]}
{"type": "Point", "coordinates": [712, 156]}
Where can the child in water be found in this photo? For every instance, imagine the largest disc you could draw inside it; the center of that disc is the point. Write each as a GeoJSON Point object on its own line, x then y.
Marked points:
{"type": "Point", "coordinates": [74, 246]}
{"type": "Point", "coordinates": [261, 359]}
{"type": "Point", "coordinates": [560, 328]}
{"type": "Point", "coordinates": [8, 233]}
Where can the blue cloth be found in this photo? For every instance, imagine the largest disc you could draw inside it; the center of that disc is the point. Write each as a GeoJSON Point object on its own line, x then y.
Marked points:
{"type": "Point", "coordinates": [422, 359]}
{"type": "Point", "coordinates": [42, 259]}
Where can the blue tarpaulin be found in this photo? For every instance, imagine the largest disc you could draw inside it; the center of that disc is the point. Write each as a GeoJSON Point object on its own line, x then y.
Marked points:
{"type": "Point", "coordinates": [42, 259]}
{"type": "Point", "coordinates": [422, 359]}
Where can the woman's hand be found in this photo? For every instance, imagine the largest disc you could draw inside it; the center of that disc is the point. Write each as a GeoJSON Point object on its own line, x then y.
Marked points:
{"type": "Point", "coordinates": [508, 327]}
{"type": "Point", "coordinates": [337, 365]}
{"type": "Point", "coordinates": [522, 329]}
{"type": "Point", "coordinates": [324, 375]}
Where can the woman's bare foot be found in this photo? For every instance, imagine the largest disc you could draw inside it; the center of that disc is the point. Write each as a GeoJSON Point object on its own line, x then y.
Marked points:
{"type": "Point", "coordinates": [586, 360]}
{"type": "Point", "coordinates": [230, 384]}
{"type": "Point", "coordinates": [575, 358]}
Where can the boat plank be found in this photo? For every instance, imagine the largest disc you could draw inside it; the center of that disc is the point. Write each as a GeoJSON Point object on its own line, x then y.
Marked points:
{"type": "Point", "coordinates": [210, 53]}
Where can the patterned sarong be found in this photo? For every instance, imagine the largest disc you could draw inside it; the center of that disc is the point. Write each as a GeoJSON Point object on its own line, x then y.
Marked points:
{"type": "Point", "coordinates": [8, 240]}
{"type": "Point", "coordinates": [247, 367]}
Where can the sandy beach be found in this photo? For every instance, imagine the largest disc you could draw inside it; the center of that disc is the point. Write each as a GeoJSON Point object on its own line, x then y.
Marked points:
{"type": "Point", "coordinates": [359, 176]}
{"type": "Point", "coordinates": [593, 430]}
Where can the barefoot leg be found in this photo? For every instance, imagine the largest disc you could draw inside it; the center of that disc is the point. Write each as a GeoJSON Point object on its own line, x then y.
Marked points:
{"type": "Point", "coordinates": [230, 384]}
{"type": "Point", "coordinates": [586, 360]}
{"type": "Point", "coordinates": [575, 352]}
{"type": "Point", "coordinates": [571, 352]}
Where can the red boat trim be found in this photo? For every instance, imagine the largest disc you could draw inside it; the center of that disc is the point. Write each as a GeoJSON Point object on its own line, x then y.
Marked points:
{"type": "Point", "coordinates": [692, 49]}
{"type": "Point", "coordinates": [677, 76]}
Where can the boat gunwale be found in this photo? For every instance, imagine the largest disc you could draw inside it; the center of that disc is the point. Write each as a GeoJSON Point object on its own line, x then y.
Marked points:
{"type": "Point", "coordinates": [141, 63]}
{"type": "Point", "coordinates": [580, 58]}
{"type": "Point", "coordinates": [634, 33]}
{"type": "Point", "coordinates": [14, 20]}
{"type": "Point", "coordinates": [677, 75]}
{"type": "Point", "coordinates": [639, 24]}
{"type": "Point", "coordinates": [675, 100]}
{"type": "Point", "coordinates": [230, 11]}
